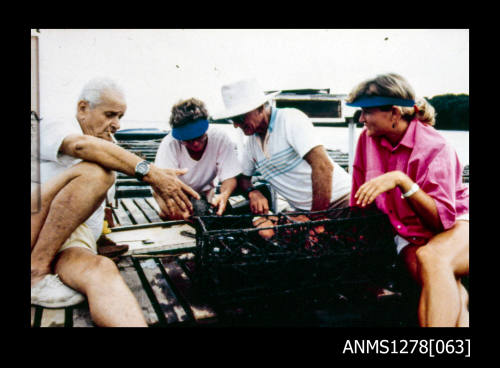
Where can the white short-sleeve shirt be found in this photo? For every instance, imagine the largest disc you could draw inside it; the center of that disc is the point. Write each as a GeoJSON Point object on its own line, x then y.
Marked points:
{"type": "Point", "coordinates": [52, 162]}
{"type": "Point", "coordinates": [218, 162]}
{"type": "Point", "coordinates": [291, 136]}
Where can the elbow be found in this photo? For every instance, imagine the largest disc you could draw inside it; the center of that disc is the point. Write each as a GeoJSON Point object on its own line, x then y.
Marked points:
{"type": "Point", "coordinates": [77, 146]}
{"type": "Point", "coordinates": [324, 167]}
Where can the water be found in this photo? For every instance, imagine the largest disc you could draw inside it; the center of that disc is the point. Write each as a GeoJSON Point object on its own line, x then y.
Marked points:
{"type": "Point", "coordinates": [333, 137]}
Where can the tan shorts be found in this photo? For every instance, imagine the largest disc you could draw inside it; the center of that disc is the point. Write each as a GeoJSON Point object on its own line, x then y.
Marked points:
{"type": "Point", "coordinates": [82, 237]}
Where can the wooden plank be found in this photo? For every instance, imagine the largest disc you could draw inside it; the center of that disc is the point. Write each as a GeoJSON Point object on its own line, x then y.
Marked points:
{"type": "Point", "coordinates": [152, 202]}
{"type": "Point", "coordinates": [122, 218]}
{"type": "Point", "coordinates": [52, 318]}
{"type": "Point", "coordinates": [115, 218]}
{"type": "Point", "coordinates": [33, 312]}
{"type": "Point", "coordinates": [81, 316]}
{"type": "Point", "coordinates": [37, 317]}
{"type": "Point", "coordinates": [129, 274]}
{"type": "Point", "coordinates": [154, 238]}
{"type": "Point", "coordinates": [134, 211]}
{"type": "Point", "coordinates": [150, 213]}
{"type": "Point", "coordinates": [167, 301]}
{"type": "Point", "coordinates": [202, 313]}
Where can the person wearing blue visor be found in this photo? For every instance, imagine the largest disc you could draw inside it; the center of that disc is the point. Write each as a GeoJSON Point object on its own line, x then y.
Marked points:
{"type": "Point", "coordinates": [207, 153]}
{"type": "Point", "coordinates": [406, 169]}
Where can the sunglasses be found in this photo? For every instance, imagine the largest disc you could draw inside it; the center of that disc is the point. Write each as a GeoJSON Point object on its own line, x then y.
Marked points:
{"type": "Point", "coordinates": [240, 119]}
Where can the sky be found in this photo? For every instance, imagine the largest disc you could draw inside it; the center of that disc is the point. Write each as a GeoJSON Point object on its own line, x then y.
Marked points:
{"type": "Point", "coordinates": [157, 68]}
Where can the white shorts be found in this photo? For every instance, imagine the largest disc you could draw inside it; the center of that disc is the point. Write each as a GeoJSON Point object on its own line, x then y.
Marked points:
{"type": "Point", "coordinates": [82, 237]}
{"type": "Point", "coordinates": [402, 242]}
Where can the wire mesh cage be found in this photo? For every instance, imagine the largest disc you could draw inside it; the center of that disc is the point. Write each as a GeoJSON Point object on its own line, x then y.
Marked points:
{"type": "Point", "coordinates": [242, 257]}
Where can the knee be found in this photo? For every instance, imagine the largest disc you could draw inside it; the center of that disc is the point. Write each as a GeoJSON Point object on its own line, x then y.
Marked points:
{"type": "Point", "coordinates": [98, 175]}
{"type": "Point", "coordinates": [101, 269]}
{"type": "Point", "coordinates": [429, 258]}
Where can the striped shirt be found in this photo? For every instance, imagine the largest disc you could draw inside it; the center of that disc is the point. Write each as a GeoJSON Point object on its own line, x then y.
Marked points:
{"type": "Point", "coordinates": [279, 159]}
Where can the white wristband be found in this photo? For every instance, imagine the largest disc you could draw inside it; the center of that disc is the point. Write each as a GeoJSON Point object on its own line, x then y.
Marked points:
{"type": "Point", "coordinates": [414, 188]}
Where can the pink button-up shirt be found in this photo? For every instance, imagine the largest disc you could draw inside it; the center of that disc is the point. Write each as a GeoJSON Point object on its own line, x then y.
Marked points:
{"type": "Point", "coordinates": [428, 160]}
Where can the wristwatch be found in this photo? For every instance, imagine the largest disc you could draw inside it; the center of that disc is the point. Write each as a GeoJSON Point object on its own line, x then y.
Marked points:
{"type": "Point", "coordinates": [142, 169]}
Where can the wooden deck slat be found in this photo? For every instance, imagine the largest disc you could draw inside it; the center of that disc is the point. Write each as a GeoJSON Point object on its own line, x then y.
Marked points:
{"type": "Point", "coordinates": [200, 310]}
{"type": "Point", "coordinates": [134, 211]}
{"type": "Point", "coordinates": [152, 202]}
{"type": "Point", "coordinates": [151, 214]}
{"type": "Point", "coordinates": [81, 316]}
{"type": "Point", "coordinates": [33, 311]}
{"type": "Point", "coordinates": [122, 218]}
{"type": "Point", "coordinates": [172, 310]}
{"type": "Point", "coordinates": [53, 318]}
{"type": "Point", "coordinates": [129, 274]}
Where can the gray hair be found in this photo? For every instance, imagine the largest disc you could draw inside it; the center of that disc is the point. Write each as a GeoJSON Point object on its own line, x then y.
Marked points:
{"type": "Point", "coordinates": [92, 91]}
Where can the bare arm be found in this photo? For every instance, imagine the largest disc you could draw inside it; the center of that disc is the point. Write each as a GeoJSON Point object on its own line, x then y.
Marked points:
{"type": "Point", "coordinates": [111, 156]}
{"type": "Point", "coordinates": [227, 187]}
{"type": "Point", "coordinates": [258, 202]}
{"type": "Point", "coordinates": [422, 203]}
{"type": "Point", "coordinates": [321, 176]}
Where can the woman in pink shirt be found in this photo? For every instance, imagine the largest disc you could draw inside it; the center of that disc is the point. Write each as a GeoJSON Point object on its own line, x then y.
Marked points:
{"type": "Point", "coordinates": [406, 168]}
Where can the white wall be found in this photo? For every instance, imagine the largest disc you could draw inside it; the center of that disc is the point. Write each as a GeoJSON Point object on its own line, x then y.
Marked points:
{"type": "Point", "coordinates": [159, 67]}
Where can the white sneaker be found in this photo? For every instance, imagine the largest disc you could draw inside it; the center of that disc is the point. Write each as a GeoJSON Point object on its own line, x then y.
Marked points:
{"type": "Point", "coordinates": [50, 292]}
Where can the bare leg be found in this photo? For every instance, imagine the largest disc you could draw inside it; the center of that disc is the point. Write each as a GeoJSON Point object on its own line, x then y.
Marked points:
{"type": "Point", "coordinates": [67, 201]}
{"type": "Point", "coordinates": [463, 318]}
{"type": "Point", "coordinates": [438, 266]}
{"type": "Point", "coordinates": [111, 302]}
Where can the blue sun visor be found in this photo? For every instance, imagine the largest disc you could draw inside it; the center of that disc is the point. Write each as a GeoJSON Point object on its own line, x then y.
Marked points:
{"type": "Point", "coordinates": [374, 101]}
{"type": "Point", "coordinates": [190, 131]}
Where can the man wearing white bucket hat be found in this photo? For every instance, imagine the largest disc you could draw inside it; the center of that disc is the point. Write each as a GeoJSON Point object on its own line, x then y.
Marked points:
{"type": "Point", "coordinates": [284, 148]}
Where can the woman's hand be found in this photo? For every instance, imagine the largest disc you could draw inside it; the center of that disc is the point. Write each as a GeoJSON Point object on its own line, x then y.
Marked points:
{"type": "Point", "coordinates": [370, 190]}
{"type": "Point", "coordinates": [219, 201]}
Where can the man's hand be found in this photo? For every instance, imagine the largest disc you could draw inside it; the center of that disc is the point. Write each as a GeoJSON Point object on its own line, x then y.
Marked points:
{"type": "Point", "coordinates": [258, 202]}
{"type": "Point", "coordinates": [170, 212]}
{"type": "Point", "coordinates": [173, 192]}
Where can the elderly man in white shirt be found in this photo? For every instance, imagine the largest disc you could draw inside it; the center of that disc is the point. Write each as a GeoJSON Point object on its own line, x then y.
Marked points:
{"type": "Point", "coordinates": [285, 150]}
{"type": "Point", "coordinates": [77, 163]}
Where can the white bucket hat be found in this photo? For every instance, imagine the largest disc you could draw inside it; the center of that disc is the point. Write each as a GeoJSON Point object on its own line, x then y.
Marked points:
{"type": "Point", "coordinates": [242, 97]}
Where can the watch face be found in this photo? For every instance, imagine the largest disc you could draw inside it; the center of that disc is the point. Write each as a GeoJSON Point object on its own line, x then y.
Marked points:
{"type": "Point", "coordinates": [142, 168]}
